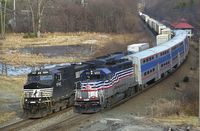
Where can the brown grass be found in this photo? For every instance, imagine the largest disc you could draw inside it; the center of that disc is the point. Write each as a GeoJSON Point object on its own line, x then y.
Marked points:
{"type": "Point", "coordinates": [7, 116]}
{"type": "Point", "coordinates": [10, 84]}
{"type": "Point", "coordinates": [163, 107]}
{"type": "Point", "coordinates": [177, 120]}
{"type": "Point", "coordinates": [48, 39]}
{"type": "Point", "coordinates": [103, 41]}
{"type": "Point", "coordinates": [17, 58]}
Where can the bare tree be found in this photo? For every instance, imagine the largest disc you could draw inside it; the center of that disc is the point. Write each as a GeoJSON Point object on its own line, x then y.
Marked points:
{"type": "Point", "coordinates": [3, 4]}
{"type": "Point", "coordinates": [37, 9]}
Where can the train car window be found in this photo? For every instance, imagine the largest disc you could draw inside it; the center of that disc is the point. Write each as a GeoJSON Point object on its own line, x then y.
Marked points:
{"type": "Point", "coordinates": [145, 73]}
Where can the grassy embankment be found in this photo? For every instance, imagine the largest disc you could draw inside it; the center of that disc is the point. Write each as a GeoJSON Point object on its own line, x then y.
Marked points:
{"type": "Point", "coordinates": [13, 42]}
{"type": "Point", "coordinates": [9, 86]}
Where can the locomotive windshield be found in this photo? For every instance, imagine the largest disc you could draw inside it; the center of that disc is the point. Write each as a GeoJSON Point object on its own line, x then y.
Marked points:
{"type": "Point", "coordinates": [39, 81]}
{"type": "Point", "coordinates": [40, 78]}
{"type": "Point", "coordinates": [93, 75]}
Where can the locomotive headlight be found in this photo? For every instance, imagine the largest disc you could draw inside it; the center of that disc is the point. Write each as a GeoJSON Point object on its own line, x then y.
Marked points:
{"type": "Point", "coordinates": [40, 99]}
{"type": "Point", "coordinates": [26, 99]}
{"type": "Point", "coordinates": [79, 97]}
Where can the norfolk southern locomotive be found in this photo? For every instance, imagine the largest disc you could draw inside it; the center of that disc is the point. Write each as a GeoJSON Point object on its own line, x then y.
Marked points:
{"type": "Point", "coordinates": [50, 90]}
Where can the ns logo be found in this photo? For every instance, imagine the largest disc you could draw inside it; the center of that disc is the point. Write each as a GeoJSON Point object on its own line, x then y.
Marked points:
{"type": "Point", "coordinates": [36, 93]}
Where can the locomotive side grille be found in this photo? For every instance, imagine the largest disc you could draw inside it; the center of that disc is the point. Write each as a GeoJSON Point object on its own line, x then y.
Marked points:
{"type": "Point", "coordinates": [37, 93]}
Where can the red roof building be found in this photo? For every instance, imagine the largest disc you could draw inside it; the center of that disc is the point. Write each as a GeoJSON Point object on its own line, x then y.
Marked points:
{"type": "Point", "coordinates": [184, 26]}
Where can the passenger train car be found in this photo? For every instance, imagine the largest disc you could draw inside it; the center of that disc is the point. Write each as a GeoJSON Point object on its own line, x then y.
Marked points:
{"type": "Point", "coordinates": [104, 86]}
{"type": "Point", "coordinates": [155, 63]}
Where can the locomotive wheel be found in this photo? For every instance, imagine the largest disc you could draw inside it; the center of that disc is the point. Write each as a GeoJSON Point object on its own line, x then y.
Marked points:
{"type": "Point", "coordinates": [71, 101]}
{"type": "Point", "coordinates": [128, 92]}
{"type": "Point", "coordinates": [53, 110]}
{"type": "Point", "coordinates": [109, 102]}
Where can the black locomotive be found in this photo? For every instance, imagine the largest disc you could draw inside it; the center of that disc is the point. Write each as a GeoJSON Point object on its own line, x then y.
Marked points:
{"type": "Point", "coordinates": [50, 90]}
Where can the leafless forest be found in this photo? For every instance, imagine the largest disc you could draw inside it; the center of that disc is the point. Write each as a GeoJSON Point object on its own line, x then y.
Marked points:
{"type": "Point", "coordinates": [73, 15]}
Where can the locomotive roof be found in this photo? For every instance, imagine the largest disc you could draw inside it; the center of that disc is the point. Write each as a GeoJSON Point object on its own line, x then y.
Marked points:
{"type": "Point", "coordinates": [105, 70]}
{"type": "Point", "coordinates": [52, 69]}
{"type": "Point", "coordinates": [113, 56]}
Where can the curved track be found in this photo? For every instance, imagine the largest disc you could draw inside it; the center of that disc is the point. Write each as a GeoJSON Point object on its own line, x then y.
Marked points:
{"type": "Point", "coordinates": [26, 122]}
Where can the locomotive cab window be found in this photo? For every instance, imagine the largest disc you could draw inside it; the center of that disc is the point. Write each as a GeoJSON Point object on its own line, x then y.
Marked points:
{"type": "Point", "coordinates": [58, 77]}
{"type": "Point", "coordinates": [94, 75]}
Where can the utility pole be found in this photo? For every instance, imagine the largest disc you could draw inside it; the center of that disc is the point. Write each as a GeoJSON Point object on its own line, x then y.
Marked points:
{"type": "Point", "coordinates": [14, 10]}
{"type": "Point", "coordinates": [199, 80]}
{"type": "Point", "coordinates": [141, 5]}
{"type": "Point", "coordinates": [3, 4]}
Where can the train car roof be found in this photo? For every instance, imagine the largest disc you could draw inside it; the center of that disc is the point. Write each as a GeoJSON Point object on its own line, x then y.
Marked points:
{"type": "Point", "coordinates": [180, 35]}
{"type": "Point", "coordinates": [143, 54]}
{"type": "Point", "coordinates": [159, 48]}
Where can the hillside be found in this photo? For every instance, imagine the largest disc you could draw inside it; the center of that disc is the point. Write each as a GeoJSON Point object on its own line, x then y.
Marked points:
{"type": "Point", "coordinates": [175, 10]}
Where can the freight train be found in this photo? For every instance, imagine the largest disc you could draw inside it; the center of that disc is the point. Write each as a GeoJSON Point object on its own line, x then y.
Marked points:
{"type": "Point", "coordinates": [103, 86]}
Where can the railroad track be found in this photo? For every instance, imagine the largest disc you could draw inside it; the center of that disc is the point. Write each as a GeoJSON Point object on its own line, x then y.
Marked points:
{"type": "Point", "coordinates": [72, 121]}
{"type": "Point", "coordinates": [27, 122]}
